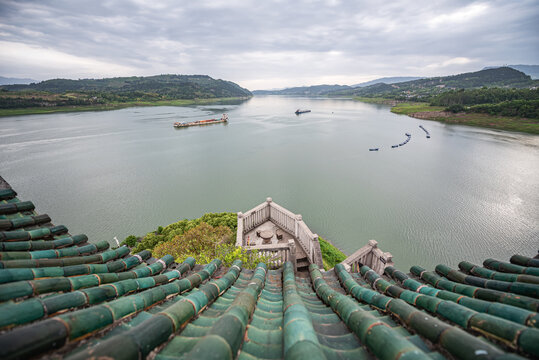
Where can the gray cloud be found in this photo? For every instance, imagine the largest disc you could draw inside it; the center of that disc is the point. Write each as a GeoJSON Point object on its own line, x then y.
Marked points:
{"type": "Point", "coordinates": [264, 44]}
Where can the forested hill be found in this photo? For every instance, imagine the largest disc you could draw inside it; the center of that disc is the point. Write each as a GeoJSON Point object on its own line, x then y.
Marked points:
{"type": "Point", "coordinates": [499, 77]}
{"type": "Point", "coordinates": [165, 86]}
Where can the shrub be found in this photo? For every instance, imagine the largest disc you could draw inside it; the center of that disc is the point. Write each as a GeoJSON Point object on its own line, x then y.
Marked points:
{"type": "Point", "coordinates": [130, 241]}
{"type": "Point", "coordinates": [205, 243]}
{"type": "Point", "coordinates": [455, 108]}
{"type": "Point", "coordinates": [201, 238]}
{"type": "Point", "coordinates": [168, 232]}
{"type": "Point", "coordinates": [227, 254]}
{"type": "Point", "coordinates": [331, 256]}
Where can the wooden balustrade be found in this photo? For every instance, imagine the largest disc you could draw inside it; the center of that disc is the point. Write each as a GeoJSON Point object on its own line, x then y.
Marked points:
{"type": "Point", "coordinates": [285, 219]}
{"type": "Point", "coordinates": [371, 256]}
{"type": "Point", "coordinates": [278, 253]}
{"type": "Point", "coordinates": [282, 217]}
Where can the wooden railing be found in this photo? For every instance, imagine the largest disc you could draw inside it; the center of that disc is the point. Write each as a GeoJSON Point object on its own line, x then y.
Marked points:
{"type": "Point", "coordinates": [371, 256]}
{"type": "Point", "coordinates": [287, 220]}
{"type": "Point", "coordinates": [284, 218]}
{"type": "Point", "coordinates": [278, 254]}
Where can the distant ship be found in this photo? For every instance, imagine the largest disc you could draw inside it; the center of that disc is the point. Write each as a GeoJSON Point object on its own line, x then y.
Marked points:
{"type": "Point", "coordinates": [299, 111]}
{"type": "Point", "coordinates": [223, 119]}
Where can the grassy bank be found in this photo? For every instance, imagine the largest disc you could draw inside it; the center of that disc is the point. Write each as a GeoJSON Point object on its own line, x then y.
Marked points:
{"type": "Point", "coordinates": [422, 110]}
{"type": "Point", "coordinates": [112, 106]}
{"type": "Point", "coordinates": [437, 113]}
{"type": "Point", "coordinates": [331, 256]}
{"type": "Point", "coordinates": [409, 108]}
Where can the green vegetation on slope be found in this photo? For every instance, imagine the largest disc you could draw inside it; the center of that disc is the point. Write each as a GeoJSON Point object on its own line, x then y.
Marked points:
{"type": "Point", "coordinates": [496, 108]}
{"type": "Point", "coordinates": [114, 106]}
{"type": "Point", "coordinates": [211, 236]}
{"type": "Point", "coordinates": [472, 117]}
{"type": "Point", "coordinates": [425, 89]}
{"type": "Point", "coordinates": [331, 256]}
{"type": "Point", "coordinates": [205, 243]}
{"type": "Point", "coordinates": [518, 108]}
{"type": "Point", "coordinates": [169, 232]}
{"type": "Point", "coordinates": [104, 94]}
{"type": "Point", "coordinates": [408, 108]}
{"type": "Point", "coordinates": [483, 96]}
{"type": "Point", "coordinates": [522, 103]}
{"type": "Point", "coordinates": [165, 87]}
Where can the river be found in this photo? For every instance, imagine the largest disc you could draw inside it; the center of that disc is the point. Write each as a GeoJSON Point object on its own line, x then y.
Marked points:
{"type": "Point", "coordinates": [464, 194]}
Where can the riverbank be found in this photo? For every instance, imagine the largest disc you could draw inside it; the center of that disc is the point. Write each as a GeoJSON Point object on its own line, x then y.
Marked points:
{"type": "Point", "coordinates": [424, 111]}
{"type": "Point", "coordinates": [114, 106]}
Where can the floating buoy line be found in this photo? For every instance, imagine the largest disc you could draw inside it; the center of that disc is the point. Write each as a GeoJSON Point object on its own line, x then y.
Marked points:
{"type": "Point", "coordinates": [408, 137]}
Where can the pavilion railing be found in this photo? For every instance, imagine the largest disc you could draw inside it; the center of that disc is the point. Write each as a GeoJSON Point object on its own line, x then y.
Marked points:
{"type": "Point", "coordinates": [371, 256]}
{"type": "Point", "coordinates": [288, 221]}
{"type": "Point", "coordinates": [278, 254]}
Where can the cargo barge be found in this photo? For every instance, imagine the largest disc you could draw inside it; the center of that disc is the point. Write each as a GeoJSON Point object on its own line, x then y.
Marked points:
{"type": "Point", "coordinates": [223, 119]}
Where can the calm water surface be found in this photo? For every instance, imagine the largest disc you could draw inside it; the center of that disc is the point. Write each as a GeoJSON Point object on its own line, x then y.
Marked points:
{"type": "Point", "coordinates": [464, 194]}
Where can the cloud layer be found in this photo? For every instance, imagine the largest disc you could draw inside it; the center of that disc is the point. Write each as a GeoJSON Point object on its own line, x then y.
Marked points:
{"type": "Point", "coordinates": [264, 44]}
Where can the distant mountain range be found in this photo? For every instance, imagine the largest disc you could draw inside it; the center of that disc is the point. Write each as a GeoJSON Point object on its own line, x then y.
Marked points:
{"type": "Point", "coordinates": [532, 70]}
{"type": "Point", "coordinates": [497, 77]}
{"type": "Point", "coordinates": [10, 81]}
{"type": "Point", "coordinates": [412, 86]}
{"type": "Point", "coordinates": [317, 90]}
{"type": "Point", "coordinates": [511, 75]}
{"type": "Point", "coordinates": [388, 80]}
{"type": "Point", "coordinates": [303, 90]}
{"type": "Point", "coordinates": [159, 87]}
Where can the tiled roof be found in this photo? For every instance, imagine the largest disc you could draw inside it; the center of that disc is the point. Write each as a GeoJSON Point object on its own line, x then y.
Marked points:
{"type": "Point", "coordinates": [61, 296]}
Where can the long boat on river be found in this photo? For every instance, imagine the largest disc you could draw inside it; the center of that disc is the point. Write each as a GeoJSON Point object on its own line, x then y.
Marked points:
{"type": "Point", "coordinates": [223, 119]}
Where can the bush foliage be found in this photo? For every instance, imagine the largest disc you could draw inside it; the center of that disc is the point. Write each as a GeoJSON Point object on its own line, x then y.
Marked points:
{"type": "Point", "coordinates": [331, 256]}
{"type": "Point", "coordinates": [130, 241]}
{"type": "Point", "coordinates": [205, 243]}
{"type": "Point", "coordinates": [209, 237]}
{"type": "Point", "coordinates": [194, 241]}
{"type": "Point", "coordinates": [152, 239]}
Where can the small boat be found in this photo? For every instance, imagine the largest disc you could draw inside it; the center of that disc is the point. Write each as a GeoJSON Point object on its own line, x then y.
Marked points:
{"type": "Point", "coordinates": [374, 149]}
{"type": "Point", "coordinates": [394, 146]}
{"type": "Point", "coordinates": [408, 134]}
{"type": "Point", "coordinates": [299, 111]}
{"type": "Point", "coordinates": [223, 119]}
{"type": "Point", "coordinates": [428, 136]}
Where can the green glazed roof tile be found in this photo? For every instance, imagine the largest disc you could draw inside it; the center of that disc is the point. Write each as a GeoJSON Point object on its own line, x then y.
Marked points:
{"type": "Point", "coordinates": [58, 289]}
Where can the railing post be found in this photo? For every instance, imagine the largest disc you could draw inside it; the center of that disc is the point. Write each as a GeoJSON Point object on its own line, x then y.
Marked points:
{"type": "Point", "coordinates": [317, 253]}
{"type": "Point", "coordinates": [387, 260]}
{"type": "Point", "coordinates": [269, 200]}
{"type": "Point", "coordinates": [369, 259]}
{"type": "Point", "coordinates": [292, 247]}
{"type": "Point", "coordinates": [296, 227]}
{"type": "Point", "coordinates": [239, 233]}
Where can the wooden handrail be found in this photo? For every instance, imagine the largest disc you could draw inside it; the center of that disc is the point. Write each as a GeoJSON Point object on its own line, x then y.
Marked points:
{"type": "Point", "coordinates": [371, 256]}
{"type": "Point", "coordinates": [287, 220]}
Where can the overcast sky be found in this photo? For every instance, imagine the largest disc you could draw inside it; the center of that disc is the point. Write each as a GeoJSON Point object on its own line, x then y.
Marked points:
{"type": "Point", "coordinates": [262, 44]}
